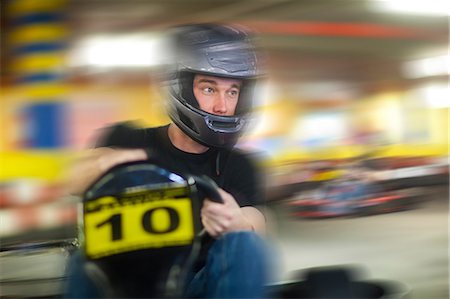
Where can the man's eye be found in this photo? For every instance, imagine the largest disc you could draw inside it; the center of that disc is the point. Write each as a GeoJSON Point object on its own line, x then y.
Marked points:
{"type": "Point", "coordinates": [233, 93]}
{"type": "Point", "coordinates": [208, 90]}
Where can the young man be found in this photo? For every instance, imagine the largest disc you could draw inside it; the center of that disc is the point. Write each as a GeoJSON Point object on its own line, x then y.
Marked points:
{"type": "Point", "coordinates": [209, 98]}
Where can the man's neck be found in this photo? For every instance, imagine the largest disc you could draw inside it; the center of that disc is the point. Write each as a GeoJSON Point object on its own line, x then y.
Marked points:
{"type": "Point", "coordinates": [183, 142]}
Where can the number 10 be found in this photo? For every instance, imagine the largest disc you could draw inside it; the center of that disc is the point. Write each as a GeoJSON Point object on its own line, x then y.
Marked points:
{"type": "Point", "coordinates": [146, 221]}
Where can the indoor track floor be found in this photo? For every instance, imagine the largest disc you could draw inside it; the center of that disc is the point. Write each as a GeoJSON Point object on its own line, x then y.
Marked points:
{"type": "Point", "coordinates": [410, 247]}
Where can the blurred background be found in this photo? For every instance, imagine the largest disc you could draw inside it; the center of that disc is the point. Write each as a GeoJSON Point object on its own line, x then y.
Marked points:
{"type": "Point", "coordinates": [356, 95]}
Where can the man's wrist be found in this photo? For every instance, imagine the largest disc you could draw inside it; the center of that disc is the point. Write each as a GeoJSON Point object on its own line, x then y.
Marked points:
{"type": "Point", "coordinates": [249, 226]}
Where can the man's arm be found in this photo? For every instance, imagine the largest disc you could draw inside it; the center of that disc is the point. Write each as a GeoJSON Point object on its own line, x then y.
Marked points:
{"type": "Point", "coordinates": [255, 218]}
{"type": "Point", "coordinates": [220, 218]}
{"type": "Point", "coordinates": [95, 162]}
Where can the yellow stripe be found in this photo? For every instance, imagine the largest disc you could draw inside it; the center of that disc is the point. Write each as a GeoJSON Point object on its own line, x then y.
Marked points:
{"type": "Point", "coordinates": [38, 33]}
{"type": "Point", "coordinates": [398, 150]}
{"type": "Point", "coordinates": [46, 165]}
{"type": "Point", "coordinates": [45, 91]}
{"type": "Point", "coordinates": [428, 150]}
{"type": "Point", "coordinates": [36, 92]}
{"type": "Point", "coordinates": [327, 175]}
{"type": "Point", "coordinates": [38, 63]}
{"type": "Point", "coordinates": [21, 7]}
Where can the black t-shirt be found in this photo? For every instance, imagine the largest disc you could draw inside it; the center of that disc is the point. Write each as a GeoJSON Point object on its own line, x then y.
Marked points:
{"type": "Point", "coordinates": [232, 169]}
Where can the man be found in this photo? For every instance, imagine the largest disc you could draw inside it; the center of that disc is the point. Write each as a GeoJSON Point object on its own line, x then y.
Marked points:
{"type": "Point", "coordinates": [210, 93]}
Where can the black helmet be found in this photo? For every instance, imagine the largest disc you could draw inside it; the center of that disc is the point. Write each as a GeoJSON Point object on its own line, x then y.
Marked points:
{"type": "Point", "coordinates": [214, 50]}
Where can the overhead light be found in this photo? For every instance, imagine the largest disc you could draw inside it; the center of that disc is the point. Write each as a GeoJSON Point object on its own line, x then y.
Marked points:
{"type": "Point", "coordinates": [436, 95]}
{"type": "Point", "coordinates": [422, 7]}
{"type": "Point", "coordinates": [118, 51]}
{"type": "Point", "coordinates": [427, 67]}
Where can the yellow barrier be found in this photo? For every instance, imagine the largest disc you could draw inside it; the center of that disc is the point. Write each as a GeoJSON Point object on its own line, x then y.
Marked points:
{"type": "Point", "coordinates": [52, 165]}
{"type": "Point", "coordinates": [46, 165]}
{"type": "Point", "coordinates": [21, 7]}
{"type": "Point", "coordinates": [327, 175]}
{"type": "Point", "coordinates": [38, 63]}
{"type": "Point", "coordinates": [38, 34]}
{"type": "Point", "coordinates": [342, 153]}
{"type": "Point", "coordinates": [48, 91]}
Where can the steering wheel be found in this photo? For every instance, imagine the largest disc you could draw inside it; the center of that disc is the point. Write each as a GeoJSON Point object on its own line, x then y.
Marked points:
{"type": "Point", "coordinates": [141, 229]}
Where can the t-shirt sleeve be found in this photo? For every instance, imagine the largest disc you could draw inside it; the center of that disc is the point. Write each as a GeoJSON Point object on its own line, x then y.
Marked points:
{"type": "Point", "coordinates": [246, 181]}
{"type": "Point", "coordinates": [122, 135]}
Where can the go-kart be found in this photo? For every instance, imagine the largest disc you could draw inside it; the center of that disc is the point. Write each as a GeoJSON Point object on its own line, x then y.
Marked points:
{"type": "Point", "coordinates": [140, 233]}
{"type": "Point", "coordinates": [141, 230]}
{"type": "Point", "coordinates": [334, 202]}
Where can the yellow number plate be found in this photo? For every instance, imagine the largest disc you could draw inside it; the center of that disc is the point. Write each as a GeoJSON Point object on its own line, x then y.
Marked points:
{"type": "Point", "coordinates": [112, 228]}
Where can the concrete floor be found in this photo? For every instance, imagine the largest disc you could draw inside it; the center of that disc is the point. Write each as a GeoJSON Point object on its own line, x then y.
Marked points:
{"type": "Point", "coordinates": [410, 247]}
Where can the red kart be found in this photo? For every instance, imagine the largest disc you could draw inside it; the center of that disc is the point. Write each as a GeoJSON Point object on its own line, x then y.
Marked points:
{"type": "Point", "coordinates": [319, 204]}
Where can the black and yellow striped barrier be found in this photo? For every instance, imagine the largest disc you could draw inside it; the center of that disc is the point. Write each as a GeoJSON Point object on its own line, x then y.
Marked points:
{"type": "Point", "coordinates": [37, 40]}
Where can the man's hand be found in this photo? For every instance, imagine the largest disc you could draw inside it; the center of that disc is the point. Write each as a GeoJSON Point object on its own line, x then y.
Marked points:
{"type": "Point", "coordinates": [219, 218]}
{"type": "Point", "coordinates": [95, 162]}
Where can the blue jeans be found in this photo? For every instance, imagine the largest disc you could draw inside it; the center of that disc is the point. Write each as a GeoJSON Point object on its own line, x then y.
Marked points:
{"type": "Point", "coordinates": [236, 267]}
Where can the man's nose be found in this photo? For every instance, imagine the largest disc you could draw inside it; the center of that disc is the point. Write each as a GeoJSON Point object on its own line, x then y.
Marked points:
{"type": "Point", "coordinates": [220, 104]}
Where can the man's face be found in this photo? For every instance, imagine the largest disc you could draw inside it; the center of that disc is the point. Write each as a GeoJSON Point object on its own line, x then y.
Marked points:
{"type": "Point", "coordinates": [217, 95]}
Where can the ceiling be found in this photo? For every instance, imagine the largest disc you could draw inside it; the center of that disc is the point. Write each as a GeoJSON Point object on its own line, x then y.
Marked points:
{"type": "Point", "coordinates": [306, 40]}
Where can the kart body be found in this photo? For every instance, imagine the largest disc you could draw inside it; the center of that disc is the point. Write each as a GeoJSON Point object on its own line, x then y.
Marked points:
{"type": "Point", "coordinates": [316, 204]}
{"type": "Point", "coordinates": [129, 253]}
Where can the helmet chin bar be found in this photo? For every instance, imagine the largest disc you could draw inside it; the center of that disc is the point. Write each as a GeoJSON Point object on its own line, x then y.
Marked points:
{"type": "Point", "coordinates": [223, 124]}
{"type": "Point", "coordinates": [208, 129]}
